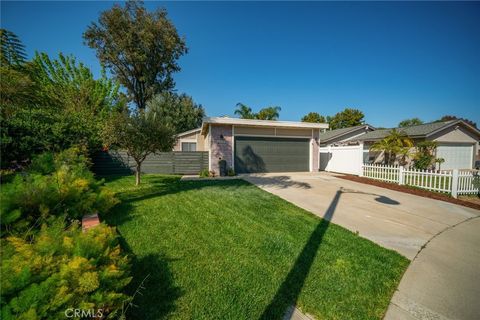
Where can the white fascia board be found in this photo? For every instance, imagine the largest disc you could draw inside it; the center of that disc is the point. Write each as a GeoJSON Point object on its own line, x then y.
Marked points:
{"type": "Point", "coordinates": [264, 123]}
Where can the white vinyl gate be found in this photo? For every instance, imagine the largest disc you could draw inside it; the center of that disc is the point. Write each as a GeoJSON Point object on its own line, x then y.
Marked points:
{"type": "Point", "coordinates": [342, 159]}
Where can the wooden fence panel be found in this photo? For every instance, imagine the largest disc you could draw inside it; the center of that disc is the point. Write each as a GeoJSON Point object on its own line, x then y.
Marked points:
{"type": "Point", "coordinates": [118, 162]}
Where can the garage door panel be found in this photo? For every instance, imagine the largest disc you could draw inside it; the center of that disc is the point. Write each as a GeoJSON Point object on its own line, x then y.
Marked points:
{"type": "Point", "coordinates": [457, 156]}
{"type": "Point", "coordinates": [262, 154]}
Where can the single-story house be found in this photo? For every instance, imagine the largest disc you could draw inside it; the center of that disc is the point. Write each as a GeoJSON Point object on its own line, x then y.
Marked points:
{"type": "Point", "coordinates": [190, 140]}
{"type": "Point", "coordinates": [249, 145]}
{"type": "Point", "coordinates": [344, 136]}
{"type": "Point", "coordinates": [458, 142]}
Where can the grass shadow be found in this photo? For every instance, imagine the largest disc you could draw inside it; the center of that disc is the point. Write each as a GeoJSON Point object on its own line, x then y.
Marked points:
{"type": "Point", "coordinates": [290, 289]}
{"type": "Point", "coordinates": [156, 299]}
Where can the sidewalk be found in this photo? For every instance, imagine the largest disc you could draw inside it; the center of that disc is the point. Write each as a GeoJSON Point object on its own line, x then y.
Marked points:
{"type": "Point", "coordinates": [443, 281]}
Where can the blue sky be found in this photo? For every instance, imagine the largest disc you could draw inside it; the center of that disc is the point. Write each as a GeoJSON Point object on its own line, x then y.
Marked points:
{"type": "Point", "coordinates": [390, 60]}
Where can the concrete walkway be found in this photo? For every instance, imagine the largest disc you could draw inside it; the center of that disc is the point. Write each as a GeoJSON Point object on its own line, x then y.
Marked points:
{"type": "Point", "coordinates": [442, 239]}
{"type": "Point", "coordinates": [443, 281]}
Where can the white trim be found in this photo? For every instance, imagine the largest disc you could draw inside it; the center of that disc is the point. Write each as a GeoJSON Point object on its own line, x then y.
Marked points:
{"type": "Point", "coordinates": [209, 142]}
{"type": "Point", "coordinates": [270, 136]}
{"type": "Point", "coordinates": [310, 152]}
{"type": "Point", "coordinates": [188, 132]}
{"type": "Point", "coordinates": [262, 123]}
{"type": "Point", "coordinates": [233, 147]}
{"type": "Point", "coordinates": [187, 140]}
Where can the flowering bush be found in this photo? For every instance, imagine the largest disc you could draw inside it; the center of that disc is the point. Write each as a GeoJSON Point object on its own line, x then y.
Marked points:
{"type": "Point", "coordinates": [61, 270]}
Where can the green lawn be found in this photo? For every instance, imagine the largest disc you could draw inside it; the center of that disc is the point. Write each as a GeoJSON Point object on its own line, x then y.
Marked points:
{"type": "Point", "coordinates": [229, 250]}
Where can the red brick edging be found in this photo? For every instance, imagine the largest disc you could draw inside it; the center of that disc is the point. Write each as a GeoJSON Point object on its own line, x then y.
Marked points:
{"type": "Point", "coordinates": [90, 221]}
{"type": "Point", "coordinates": [411, 190]}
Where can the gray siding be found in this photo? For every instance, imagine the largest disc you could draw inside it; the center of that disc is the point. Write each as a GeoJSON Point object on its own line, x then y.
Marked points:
{"type": "Point", "coordinates": [118, 162]}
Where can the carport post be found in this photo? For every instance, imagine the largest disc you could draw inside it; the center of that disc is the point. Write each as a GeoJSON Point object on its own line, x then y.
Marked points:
{"type": "Point", "coordinates": [455, 183]}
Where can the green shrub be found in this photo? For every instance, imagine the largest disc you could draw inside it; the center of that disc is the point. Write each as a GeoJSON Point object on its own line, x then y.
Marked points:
{"type": "Point", "coordinates": [54, 185]}
{"type": "Point", "coordinates": [424, 156]}
{"type": "Point", "coordinates": [230, 172]}
{"type": "Point", "coordinates": [204, 173]}
{"type": "Point", "coordinates": [61, 269]}
{"type": "Point", "coordinates": [6, 175]}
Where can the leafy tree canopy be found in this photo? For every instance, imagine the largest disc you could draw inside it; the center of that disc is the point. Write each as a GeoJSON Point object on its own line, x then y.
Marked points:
{"type": "Point", "coordinates": [346, 118]}
{"type": "Point", "coordinates": [52, 104]}
{"type": "Point", "coordinates": [12, 49]}
{"type": "Point", "coordinates": [410, 122]}
{"type": "Point", "coordinates": [313, 117]}
{"type": "Point", "coordinates": [140, 134]}
{"type": "Point", "coordinates": [450, 117]}
{"type": "Point", "coordinates": [267, 113]}
{"type": "Point", "coordinates": [180, 111]}
{"type": "Point", "coordinates": [140, 48]}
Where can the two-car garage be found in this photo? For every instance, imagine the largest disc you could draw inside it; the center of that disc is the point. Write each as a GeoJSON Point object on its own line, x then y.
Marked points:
{"type": "Point", "coordinates": [271, 154]}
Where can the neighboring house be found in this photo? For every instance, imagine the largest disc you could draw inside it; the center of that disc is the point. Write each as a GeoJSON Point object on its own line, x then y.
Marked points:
{"type": "Point", "coordinates": [340, 149]}
{"type": "Point", "coordinates": [258, 145]}
{"type": "Point", "coordinates": [344, 136]}
{"type": "Point", "coordinates": [458, 142]}
{"type": "Point", "coordinates": [190, 140]}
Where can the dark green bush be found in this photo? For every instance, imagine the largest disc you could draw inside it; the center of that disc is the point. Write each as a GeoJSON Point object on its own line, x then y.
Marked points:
{"type": "Point", "coordinates": [230, 172]}
{"type": "Point", "coordinates": [60, 269]}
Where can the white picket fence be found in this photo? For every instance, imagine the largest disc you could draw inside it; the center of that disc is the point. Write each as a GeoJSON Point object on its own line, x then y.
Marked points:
{"type": "Point", "coordinates": [456, 182]}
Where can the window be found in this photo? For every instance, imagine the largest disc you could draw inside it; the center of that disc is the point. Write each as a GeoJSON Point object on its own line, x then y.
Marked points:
{"type": "Point", "coordinates": [189, 146]}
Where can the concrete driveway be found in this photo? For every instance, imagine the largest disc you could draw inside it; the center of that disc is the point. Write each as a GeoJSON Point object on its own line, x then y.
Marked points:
{"type": "Point", "coordinates": [442, 239]}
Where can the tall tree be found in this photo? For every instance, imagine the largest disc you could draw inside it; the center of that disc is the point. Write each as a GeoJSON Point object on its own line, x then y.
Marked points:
{"type": "Point", "coordinates": [12, 49]}
{"type": "Point", "coordinates": [450, 117]}
{"type": "Point", "coordinates": [180, 111]}
{"type": "Point", "coordinates": [410, 122]}
{"type": "Point", "coordinates": [244, 111]}
{"type": "Point", "coordinates": [346, 118]}
{"type": "Point", "coordinates": [313, 117]}
{"type": "Point", "coordinates": [140, 134]}
{"type": "Point", "coordinates": [140, 48]}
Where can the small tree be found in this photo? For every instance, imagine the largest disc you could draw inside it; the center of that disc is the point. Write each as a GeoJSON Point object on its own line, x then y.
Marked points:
{"type": "Point", "coordinates": [397, 142]}
{"type": "Point", "coordinates": [313, 117]}
{"type": "Point", "coordinates": [439, 161]}
{"type": "Point", "coordinates": [140, 134]}
{"type": "Point", "coordinates": [424, 156]}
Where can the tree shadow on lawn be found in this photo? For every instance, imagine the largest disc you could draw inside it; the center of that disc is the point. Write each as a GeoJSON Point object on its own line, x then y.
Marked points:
{"type": "Point", "coordinates": [290, 289]}
{"type": "Point", "coordinates": [153, 282]}
{"type": "Point", "coordinates": [157, 297]}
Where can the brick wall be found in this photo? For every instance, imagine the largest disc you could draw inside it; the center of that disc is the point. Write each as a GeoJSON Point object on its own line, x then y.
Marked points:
{"type": "Point", "coordinates": [221, 148]}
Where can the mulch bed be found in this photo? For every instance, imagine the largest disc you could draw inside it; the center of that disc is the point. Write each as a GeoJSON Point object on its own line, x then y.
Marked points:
{"type": "Point", "coordinates": [411, 190]}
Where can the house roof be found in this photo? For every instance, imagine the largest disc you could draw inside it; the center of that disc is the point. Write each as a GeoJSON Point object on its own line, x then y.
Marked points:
{"type": "Point", "coordinates": [262, 123]}
{"type": "Point", "coordinates": [186, 133]}
{"type": "Point", "coordinates": [332, 134]}
{"type": "Point", "coordinates": [419, 131]}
